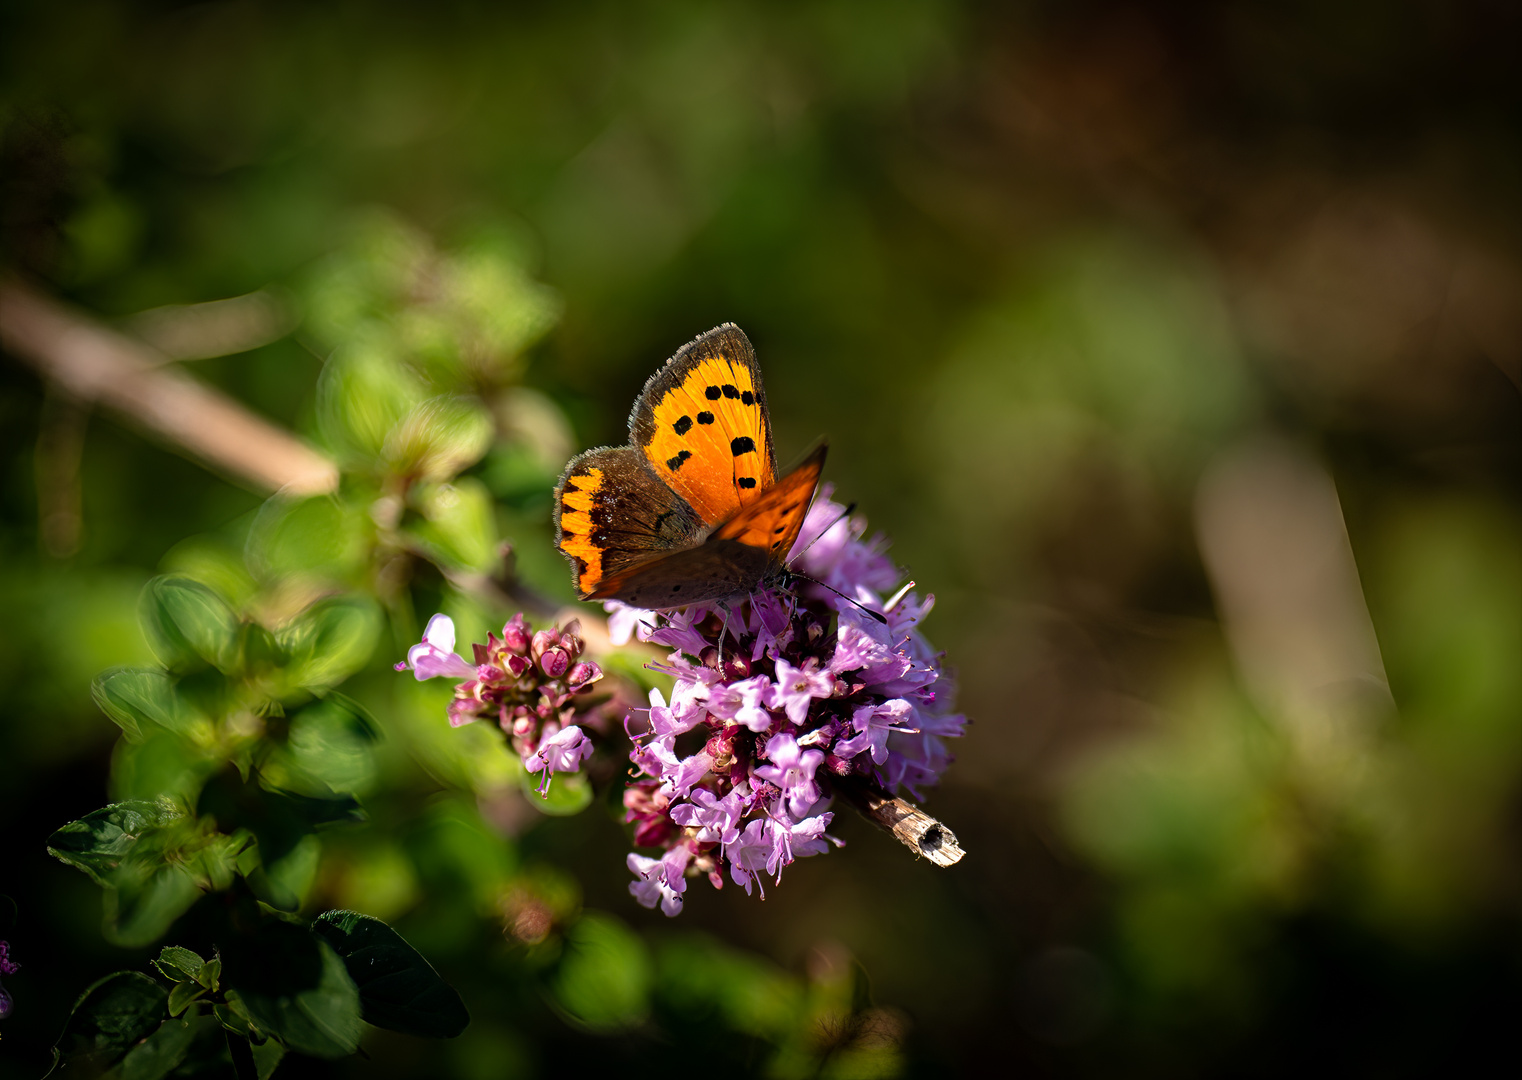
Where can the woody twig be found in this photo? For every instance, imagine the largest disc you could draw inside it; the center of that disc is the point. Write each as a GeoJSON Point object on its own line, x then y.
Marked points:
{"type": "Point", "coordinates": [915, 829]}
{"type": "Point", "coordinates": [94, 364]}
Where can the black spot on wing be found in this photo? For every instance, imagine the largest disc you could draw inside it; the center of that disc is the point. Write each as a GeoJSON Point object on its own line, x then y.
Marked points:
{"type": "Point", "coordinates": [675, 463]}
{"type": "Point", "coordinates": [743, 445]}
{"type": "Point", "coordinates": [712, 393]}
{"type": "Point", "coordinates": [747, 398]}
{"type": "Point", "coordinates": [746, 481]}
{"type": "Point", "coordinates": [730, 391]}
{"type": "Point", "coordinates": [705, 417]}
{"type": "Point", "coordinates": [682, 426]}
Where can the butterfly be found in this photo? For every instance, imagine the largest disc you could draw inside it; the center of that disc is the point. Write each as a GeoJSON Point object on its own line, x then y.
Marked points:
{"type": "Point", "coordinates": [691, 510]}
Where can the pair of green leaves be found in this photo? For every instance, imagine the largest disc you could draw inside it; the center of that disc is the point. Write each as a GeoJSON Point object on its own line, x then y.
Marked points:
{"type": "Point", "coordinates": [281, 987]}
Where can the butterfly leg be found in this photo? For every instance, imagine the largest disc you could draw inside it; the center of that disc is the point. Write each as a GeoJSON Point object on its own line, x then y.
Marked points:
{"type": "Point", "coordinates": [723, 605]}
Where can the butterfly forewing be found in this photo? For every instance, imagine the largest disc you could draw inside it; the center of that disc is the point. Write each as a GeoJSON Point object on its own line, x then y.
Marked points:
{"type": "Point", "coordinates": [703, 427]}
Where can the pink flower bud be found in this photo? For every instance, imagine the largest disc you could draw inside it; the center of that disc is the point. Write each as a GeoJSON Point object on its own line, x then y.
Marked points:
{"type": "Point", "coordinates": [554, 662]}
{"type": "Point", "coordinates": [515, 635]}
{"type": "Point", "coordinates": [583, 673]}
{"type": "Point", "coordinates": [519, 665]}
{"type": "Point", "coordinates": [544, 640]}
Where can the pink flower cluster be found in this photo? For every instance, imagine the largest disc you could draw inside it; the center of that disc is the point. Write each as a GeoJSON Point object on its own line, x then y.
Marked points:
{"type": "Point", "coordinates": [776, 701]}
{"type": "Point", "coordinates": [526, 681]}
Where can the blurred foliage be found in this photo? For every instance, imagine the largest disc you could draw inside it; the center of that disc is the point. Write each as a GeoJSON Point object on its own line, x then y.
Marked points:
{"type": "Point", "coordinates": [1036, 269]}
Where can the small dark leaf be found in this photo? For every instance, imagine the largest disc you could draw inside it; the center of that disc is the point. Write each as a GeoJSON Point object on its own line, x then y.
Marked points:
{"type": "Point", "coordinates": [182, 995]}
{"type": "Point", "coordinates": [291, 984]}
{"type": "Point", "coordinates": [163, 1051]}
{"type": "Point", "coordinates": [179, 964]}
{"type": "Point", "coordinates": [189, 625]}
{"type": "Point", "coordinates": [266, 1056]}
{"type": "Point", "coordinates": [139, 909]}
{"type": "Point", "coordinates": [398, 988]}
{"type": "Point", "coordinates": [98, 842]}
{"type": "Point", "coordinates": [110, 1017]}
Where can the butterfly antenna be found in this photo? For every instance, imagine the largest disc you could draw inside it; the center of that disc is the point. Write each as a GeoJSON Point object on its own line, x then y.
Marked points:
{"type": "Point", "coordinates": [879, 616]}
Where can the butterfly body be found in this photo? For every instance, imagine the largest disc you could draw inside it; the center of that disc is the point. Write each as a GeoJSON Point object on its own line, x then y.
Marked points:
{"type": "Point", "coordinates": [691, 510]}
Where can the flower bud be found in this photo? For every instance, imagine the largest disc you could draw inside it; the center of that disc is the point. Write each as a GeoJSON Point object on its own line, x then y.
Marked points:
{"type": "Point", "coordinates": [515, 636]}
{"type": "Point", "coordinates": [583, 673]}
{"type": "Point", "coordinates": [518, 665]}
{"type": "Point", "coordinates": [554, 662]}
{"type": "Point", "coordinates": [543, 641]}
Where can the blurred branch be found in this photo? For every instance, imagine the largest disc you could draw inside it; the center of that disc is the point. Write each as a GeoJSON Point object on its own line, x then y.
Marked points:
{"type": "Point", "coordinates": [915, 829]}
{"type": "Point", "coordinates": [216, 327]}
{"type": "Point", "coordinates": [96, 364]}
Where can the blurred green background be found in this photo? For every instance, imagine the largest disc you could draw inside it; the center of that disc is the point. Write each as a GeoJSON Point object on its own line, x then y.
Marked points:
{"type": "Point", "coordinates": [1176, 347]}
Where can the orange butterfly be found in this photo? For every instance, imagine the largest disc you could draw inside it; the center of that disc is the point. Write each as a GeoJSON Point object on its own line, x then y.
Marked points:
{"type": "Point", "coordinates": [691, 509]}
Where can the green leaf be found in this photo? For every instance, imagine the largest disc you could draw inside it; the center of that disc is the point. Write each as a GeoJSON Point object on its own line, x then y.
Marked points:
{"type": "Point", "coordinates": [189, 625]}
{"type": "Point", "coordinates": [138, 698]}
{"type": "Point", "coordinates": [320, 536]}
{"type": "Point", "coordinates": [182, 995]}
{"type": "Point", "coordinates": [329, 749]}
{"type": "Point", "coordinates": [98, 842]}
{"type": "Point", "coordinates": [398, 988]}
{"type": "Point", "coordinates": [267, 1055]}
{"type": "Point", "coordinates": [363, 392]}
{"type": "Point", "coordinates": [210, 973]}
{"type": "Point", "coordinates": [438, 438]}
{"type": "Point", "coordinates": [140, 910]}
{"type": "Point", "coordinates": [292, 984]}
{"type": "Point", "coordinates": [179, 964]}
{"type": "Point", "coordinates": [110, 1017]}
{"type": "Point", "coordinates": [331, 640]}
{"type": "Point", "coordinates": [459, 526]}
{"type": "Point", "coordinates": [163, 764]}
{"type": "Point", "coordinates": [164, 1050]}
{"type": "Point", "coordinates": [603, 980]}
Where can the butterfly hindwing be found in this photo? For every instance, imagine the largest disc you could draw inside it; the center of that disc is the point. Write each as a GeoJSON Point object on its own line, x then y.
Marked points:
{"type": "Point", "coordinates": [612, 512]}
{"type": "Point", "coordinates": [702, 425]}
{"type": "Point", "coordinates": [712, 570]}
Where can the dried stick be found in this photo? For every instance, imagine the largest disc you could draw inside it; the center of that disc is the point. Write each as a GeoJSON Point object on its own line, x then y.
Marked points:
{"type": "Point", "coordinates": [915, 829]}
{"type": "Point", "coordinates": [96, 364]}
